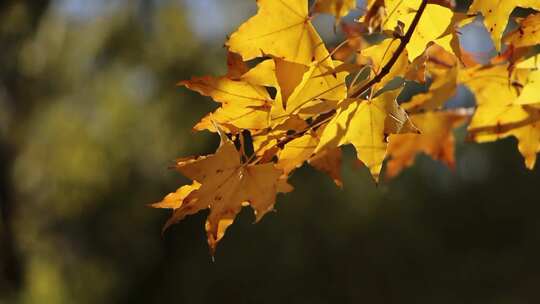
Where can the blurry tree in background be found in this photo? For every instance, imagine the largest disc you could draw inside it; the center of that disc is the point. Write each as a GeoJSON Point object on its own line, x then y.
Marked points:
{"type": "Point", "coordinates": [90, 119]}
{"type": "Point", "coordinates": [13, 32]}
{"type": "Point", "coordinates": [88, 110]}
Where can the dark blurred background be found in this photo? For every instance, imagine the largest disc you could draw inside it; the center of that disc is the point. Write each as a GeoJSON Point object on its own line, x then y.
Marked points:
{"type": "Point", "coordinates": [90, 119]}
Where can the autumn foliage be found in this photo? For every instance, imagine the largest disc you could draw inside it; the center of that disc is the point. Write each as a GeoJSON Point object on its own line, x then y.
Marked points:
{"type": "Point", "coordinates": [290, 99]}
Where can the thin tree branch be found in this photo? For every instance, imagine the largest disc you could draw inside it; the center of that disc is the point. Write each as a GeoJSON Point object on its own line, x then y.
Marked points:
{"type": "Point", "coordinates": [404, 41]}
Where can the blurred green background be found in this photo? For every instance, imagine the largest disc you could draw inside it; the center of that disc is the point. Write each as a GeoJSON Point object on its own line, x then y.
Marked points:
{"type": "Point", "coordinates": [90, 119]}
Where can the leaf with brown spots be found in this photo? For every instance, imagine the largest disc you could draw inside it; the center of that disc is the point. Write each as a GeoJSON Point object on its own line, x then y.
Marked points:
{"type": "Point", "coordinates": [496, 13]}
{"type": "Point", "coordinates": [527, 34]}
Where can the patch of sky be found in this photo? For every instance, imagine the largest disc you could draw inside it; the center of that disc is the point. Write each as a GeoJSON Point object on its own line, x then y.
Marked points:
{"type": "Point", "coordinates": [85, 9]}
{"type": "Point", "coordinates": [213, 20]}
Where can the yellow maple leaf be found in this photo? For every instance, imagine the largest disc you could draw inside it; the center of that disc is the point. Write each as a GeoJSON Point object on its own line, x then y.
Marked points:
{"type": "Point", "coordinates": [436, 140]}
{"type": "Point", "coordinates": [366, 124]}
{"type": "Point", "coordinates": [499, 113]}
{"type": "Point", "coordinates": [175, 199]}
{"type": "Point", "coordinates": [225, 186]}
{"type": "Point", "coordinates": [431, 28]}
{"type": "Point", "coordinates": [496, 13]}
{"type": "Point", "coordinates": [522, 122]}
{"type": "Point", "coordinates": [483, 81]}
{"type": "Point", "coordinates": [281, 28]}
{"type": "Point", "coordinates": [243, 105]}
{"type": "Point", "coordinates": [338, 8]}
{"type": "Point", "coordinates": [492, 109]}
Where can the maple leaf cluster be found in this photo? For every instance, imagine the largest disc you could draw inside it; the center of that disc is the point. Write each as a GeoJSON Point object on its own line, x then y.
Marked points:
{"type": "Point", "coordinates": [287, 99]}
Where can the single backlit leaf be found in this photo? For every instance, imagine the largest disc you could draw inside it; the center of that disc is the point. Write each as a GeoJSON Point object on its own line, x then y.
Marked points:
{"type": "Point", "coordinates": [281, 28]}
{"type": "Point", "coordinates": [243, 105]}
{"type": "Point", "coordinates": [366, 124]}
{"type": "Point", "coordinates": [225, 186]}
